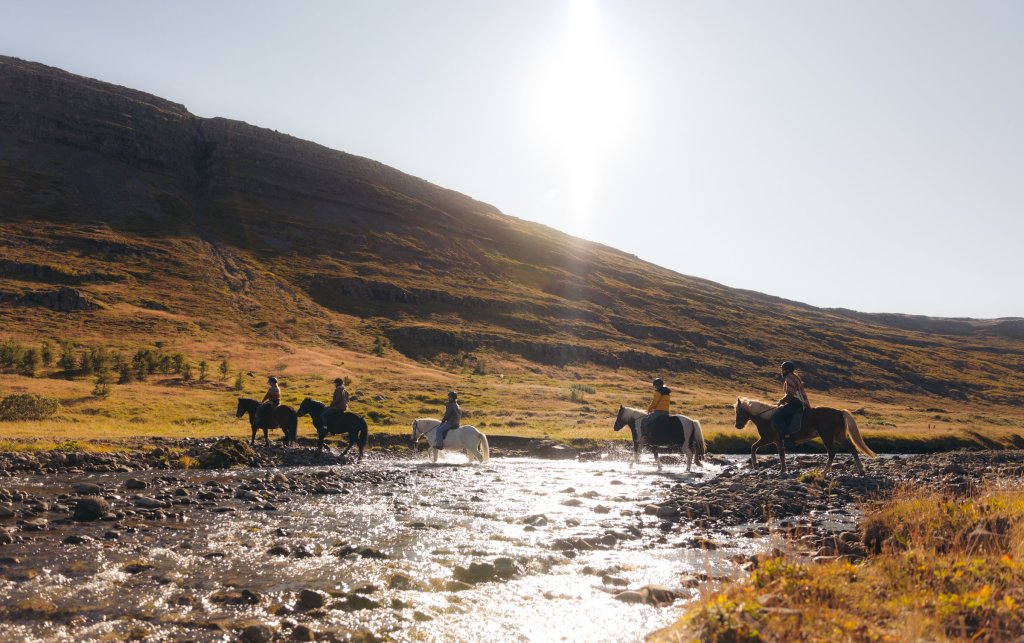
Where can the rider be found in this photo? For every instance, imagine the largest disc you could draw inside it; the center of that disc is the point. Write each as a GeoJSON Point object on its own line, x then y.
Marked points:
{"type": "Point", "coordinates": [659, 406]}
{"type": "Point", "coordinates": [339, 403]}
{"type": "Point", "coordinates": [451, 420]}
{"type": "Point", "coordinates": [270, 401]}
{"type": "Point", "coordinates": [795, 400]}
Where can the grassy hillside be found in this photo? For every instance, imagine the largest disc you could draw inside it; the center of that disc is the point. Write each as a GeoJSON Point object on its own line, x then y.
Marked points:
{"type": "Point", "coordinates": [125, 221]}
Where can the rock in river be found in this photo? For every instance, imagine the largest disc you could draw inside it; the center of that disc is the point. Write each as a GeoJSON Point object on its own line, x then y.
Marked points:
{"type": "Point", "coordinates": [91, 508]}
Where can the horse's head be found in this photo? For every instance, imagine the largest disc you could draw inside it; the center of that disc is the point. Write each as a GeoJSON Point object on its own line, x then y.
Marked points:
{"type": "Point", "coordinates": [620, 419]}
{"type": "Point", "coordinates": [305, 407]}
{"type": "Point", "coordinates": [415, 432]}
{"type": "Point", "coordinates": [742, 414]}
{"type": "Point", "coordinates": [240, 411]}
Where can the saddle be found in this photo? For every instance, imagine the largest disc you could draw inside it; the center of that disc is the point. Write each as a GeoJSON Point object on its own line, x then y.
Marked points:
{"type": "Point", "coordinates": [660, 425]}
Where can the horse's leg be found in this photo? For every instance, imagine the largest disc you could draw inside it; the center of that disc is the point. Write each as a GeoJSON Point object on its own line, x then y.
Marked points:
{"type": "Point", "coordinates": [831, 456]}
{"type": "Point", "coordinates": [657, 460]}
{"type": "Point", "coordinates": [782, 455]}
{"type": "Point", "coordinates": [266, 436]}
{"type": "Point", "coordinates": [252, 440]}
{"type": "Point", "coordinates": [856, 459]}
{"type": "Point", "coordinates": [753, 451]}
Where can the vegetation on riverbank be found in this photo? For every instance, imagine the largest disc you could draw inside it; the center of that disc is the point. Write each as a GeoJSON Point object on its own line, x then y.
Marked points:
{"type": "Point", "coordinates": [939, 568]}
{"type": "Point", "coordinates": [510, 397]}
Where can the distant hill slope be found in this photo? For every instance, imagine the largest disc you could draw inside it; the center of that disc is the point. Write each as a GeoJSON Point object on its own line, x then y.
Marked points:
{"type": "Point", "coordinates": [161, 224]}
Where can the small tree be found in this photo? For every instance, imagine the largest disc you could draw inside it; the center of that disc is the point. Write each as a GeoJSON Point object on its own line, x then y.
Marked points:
{"type": "Point", "coordinates": [380, 345]}
{"type": "Point", "coordinates": [203, 369]}
{"type": "Point", "coordinates": [11, 354]}
{"type": "Point", "coordinates": [85, 363]}
{"type": "Point", "coordinates": [67, 361]}
{"type": "Point", "coordinates": [124, 374]}
{"type": "Point", "coordinates": [46, 354]}
{"type": "Point", "coordinates": [224, 368]}
{"type": "Point", "coordinates": [102, 388]}
{"type": "Point", "coordinates": [29, 362]}
{"type": "Point", "coordinates": [178, 362]}
{"type": "Point", "coordinates": [186, 372]}
{"type": "Point", "coordinates": [240, 382]}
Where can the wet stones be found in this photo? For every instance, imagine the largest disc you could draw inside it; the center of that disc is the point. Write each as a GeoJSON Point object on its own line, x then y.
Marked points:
{"type": "Point", "coordinates": [310, 600]}
{"type": "Point", "coordinates": [86, 489]}
{"type": "Point", "coordinates": [90, 508]}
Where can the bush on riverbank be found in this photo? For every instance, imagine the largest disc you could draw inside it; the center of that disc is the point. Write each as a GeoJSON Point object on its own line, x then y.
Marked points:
{"type": "Point", "coordinates": [943, 568]}
{"type": "Point", "coordinates": [28, 406]}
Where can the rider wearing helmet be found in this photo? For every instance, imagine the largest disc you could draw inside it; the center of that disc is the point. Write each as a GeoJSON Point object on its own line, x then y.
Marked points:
{"type": "Point", "coordinates": [339, 401]}
{"type": "Point", "coordinates": [451, 420]}
{"type": "Point", "coordinates": [270, 401]}
{"type": "Point", "coordinates": [659, 407]}
{"type": "Point", "coordinates": [794, 401]}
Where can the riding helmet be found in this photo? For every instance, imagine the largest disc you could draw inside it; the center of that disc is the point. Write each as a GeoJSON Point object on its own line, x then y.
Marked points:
{"type": "Point", "coordinates": [452, 395]}
{"type": "Point", "coordinates": [272, 380]}
{"type": "Point", "coordinates": [338, 381]}
{"type": "Point", "coordinates": [788, 367]}
{"type": "Point", "coordinates": [658, 382]}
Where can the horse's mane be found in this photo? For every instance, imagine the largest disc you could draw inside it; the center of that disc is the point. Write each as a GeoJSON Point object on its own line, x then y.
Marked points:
{"type": "Point", "coordinates": [315, 402]}
{"type": "Point", "coordinates": [630, 408]}
{"type": "Point", "coordinates": [755, 406]}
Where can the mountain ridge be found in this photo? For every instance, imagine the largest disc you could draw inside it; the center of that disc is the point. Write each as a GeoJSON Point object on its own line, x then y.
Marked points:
{"type": "Point", "coordinates": [241, 231]}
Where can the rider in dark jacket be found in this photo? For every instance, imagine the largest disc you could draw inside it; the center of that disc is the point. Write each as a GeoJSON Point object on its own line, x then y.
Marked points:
{"type": "Point", "coordinates": [451, 420]}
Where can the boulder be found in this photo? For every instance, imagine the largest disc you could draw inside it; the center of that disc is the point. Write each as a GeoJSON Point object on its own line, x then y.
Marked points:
{"type": "Point", "coordinates": [227, 453]}
{"type": "Point", "coordinates": [90, 508]}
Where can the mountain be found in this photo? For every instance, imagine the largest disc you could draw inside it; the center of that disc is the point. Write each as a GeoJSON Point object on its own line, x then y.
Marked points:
{"type": "Point", "coordinates": [125, 216]}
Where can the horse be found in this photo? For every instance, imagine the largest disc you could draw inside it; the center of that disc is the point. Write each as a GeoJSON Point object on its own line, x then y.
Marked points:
{"type": "Point", "coordinates": [465, 438]}
{"type": "Point", "coordinates": [281, 416]}
{"type": "Point", "coordinates": [346, 422]}
{"type": "Point", "coordinates": [835, 427]}
{"type": "Point", "coordinates": [681, 432]}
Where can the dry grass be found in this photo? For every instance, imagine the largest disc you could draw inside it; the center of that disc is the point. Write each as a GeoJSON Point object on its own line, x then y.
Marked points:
{"type": "Point", "coordinates": [945, 569]}
{"type": "Point", "coordinates": [513, 397]}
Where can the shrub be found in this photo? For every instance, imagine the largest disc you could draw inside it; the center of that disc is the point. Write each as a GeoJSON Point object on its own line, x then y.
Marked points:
{"type": "Point", "coordinates": [204, 369]}
{"type": "Point", "coordinates": [46, 354]}
{"type": "Point", "coordinates": [102, 388]}
{"type": "Point", "coordinates": [27, 406]}
{"type": "Point", "coordinates": [577, 392]}
{"type": "Point", "coordinates": [224, 369]}
{"type": "Point", "coordinates": [186, 371]}
{"type": "Point", "coordinates": [240, 382]}
{"type": "Point", "coordinates": [11, 354]}
{"type": "Point", "coordinates": [67, 361]}
{"type": "Point", "coordinates": [30, 362]}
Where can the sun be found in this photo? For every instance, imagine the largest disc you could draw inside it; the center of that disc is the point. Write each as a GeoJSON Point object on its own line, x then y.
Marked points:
{"type": "Point", "coordinates": [583, 102]}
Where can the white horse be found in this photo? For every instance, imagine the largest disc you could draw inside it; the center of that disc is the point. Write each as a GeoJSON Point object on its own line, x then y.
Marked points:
{"type": "Point", "coordinates": [684, 433]}
{"type": "Point", "coordinates": [465, 438]}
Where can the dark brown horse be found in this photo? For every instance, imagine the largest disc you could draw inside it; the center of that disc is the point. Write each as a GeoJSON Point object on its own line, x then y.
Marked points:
{"type": "Point", "coordinates": [835, 428]}
{"type": "Point", "coordinates": [281, 417]}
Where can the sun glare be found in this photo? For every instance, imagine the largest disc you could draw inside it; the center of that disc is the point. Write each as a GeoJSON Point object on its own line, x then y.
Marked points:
{"type": "Point", "coordinates": [582, 103]}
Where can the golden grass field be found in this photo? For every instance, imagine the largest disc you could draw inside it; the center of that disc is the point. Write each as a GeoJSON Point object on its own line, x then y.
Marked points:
{"type": "Point", "coordinates": [513, 397]}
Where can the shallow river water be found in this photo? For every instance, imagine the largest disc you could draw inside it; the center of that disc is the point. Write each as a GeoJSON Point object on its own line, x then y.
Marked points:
{"type": "Point", "coordinates": [383, 555]}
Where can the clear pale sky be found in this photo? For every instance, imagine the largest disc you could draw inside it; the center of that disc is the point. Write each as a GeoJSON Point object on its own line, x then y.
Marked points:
{"type": "Point", "coordinates": [868, 155]}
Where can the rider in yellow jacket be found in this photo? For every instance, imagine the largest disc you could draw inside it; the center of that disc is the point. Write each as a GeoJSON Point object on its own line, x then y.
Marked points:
{"type": "Point", "coordinates": [659, 407]}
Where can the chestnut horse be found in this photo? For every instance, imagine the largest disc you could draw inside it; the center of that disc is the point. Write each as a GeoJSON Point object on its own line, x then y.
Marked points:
{"type": "Point", "coordinates": [282, 417]}
{"type": "Point", "coordinates": [835, 428]}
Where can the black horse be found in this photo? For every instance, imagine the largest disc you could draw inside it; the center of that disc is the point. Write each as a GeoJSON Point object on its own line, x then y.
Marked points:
{"type": "Point", "coordinates": [282, 417]}
{"type": "Point", "coordinates": [672, 432]}
{"type": "Point", "coordinates": [346, 422]}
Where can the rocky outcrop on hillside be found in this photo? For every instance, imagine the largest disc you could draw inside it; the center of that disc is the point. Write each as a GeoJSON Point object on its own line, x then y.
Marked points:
{"type": "Point", "coordinates": [62, 300]}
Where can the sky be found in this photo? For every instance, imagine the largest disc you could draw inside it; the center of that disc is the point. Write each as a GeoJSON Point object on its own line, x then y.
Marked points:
{"type": "Point", "coordinates": [865, 155]}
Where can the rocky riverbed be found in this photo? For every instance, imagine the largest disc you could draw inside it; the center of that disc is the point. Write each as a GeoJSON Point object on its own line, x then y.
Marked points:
{"type": "Point", "coordinates": [288, 544]}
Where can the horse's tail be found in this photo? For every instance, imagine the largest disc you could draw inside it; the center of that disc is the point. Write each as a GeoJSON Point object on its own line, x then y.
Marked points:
{"type": "Point", "coordinates": [697, 445]}
{"type": "Point", "coordinates": [854, 434]}
{"type": "Point", "coordinates": [484, 448]}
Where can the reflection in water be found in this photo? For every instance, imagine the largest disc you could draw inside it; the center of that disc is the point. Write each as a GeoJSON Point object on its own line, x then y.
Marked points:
{"type": "Point", "coordinates": [384, 555]}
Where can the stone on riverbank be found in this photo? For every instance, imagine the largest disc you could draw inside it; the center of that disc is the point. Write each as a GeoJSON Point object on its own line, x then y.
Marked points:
{"type": "Point", "coordinates": [90, 508]}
